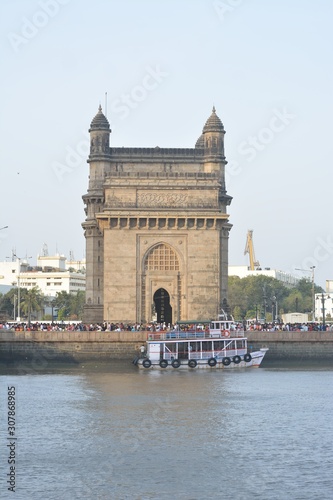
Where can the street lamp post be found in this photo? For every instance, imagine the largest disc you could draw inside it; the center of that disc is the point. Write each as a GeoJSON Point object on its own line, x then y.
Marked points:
{"type": "Point", "coordinates": [18, 319]}
{"type": "Point", "coordinates": [313, 294]}
{"type": "Point", "coordinates": [323, 309]}
{"type": "Point", "coordinates": [323, 299]}
{"type": "Point", "coordinates": [15, 298]}
{"type": "Point", "coordinates": [311, 270]}
{"type": "Point", "coordinates": [264, 301]}
{"type": "Point", "coordinates": [19, 295]}
{"type": "Point", "coordinates": [19, 288]}
{"type": "Point", "coordinates": [276, 310]}
{"type": "Point", "coordinates": [274, 302]}
{"type": "Point", "coordinates": [53, 303]}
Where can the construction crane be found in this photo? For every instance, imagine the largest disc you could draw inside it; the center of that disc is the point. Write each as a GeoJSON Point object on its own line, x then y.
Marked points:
{"type": "Point", "coordinates": [45, 250]}
{"type": "Point", "coordinates": [249, 248]}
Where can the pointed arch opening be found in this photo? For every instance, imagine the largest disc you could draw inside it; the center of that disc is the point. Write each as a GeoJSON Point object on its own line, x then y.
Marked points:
{"type": "Point", "coordinates": [162, 306]}
{"type": "Point", "coordinates": [161, 285]}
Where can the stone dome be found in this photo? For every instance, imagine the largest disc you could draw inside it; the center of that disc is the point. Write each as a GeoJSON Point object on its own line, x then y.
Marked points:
{"type": "Point", "coordinates": [200, 142]}
{"type": "Point", "coordinates": [100, 121]}
{"type": "Point", "coordinates": [213, 124]}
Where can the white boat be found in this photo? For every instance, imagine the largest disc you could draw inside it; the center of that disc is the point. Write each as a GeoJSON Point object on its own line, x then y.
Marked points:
{"type": "Point", "coordinates": [221, 344]}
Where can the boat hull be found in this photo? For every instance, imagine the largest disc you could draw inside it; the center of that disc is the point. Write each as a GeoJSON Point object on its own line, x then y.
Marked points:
{"type": "Point", "coordinates": [256, 359]}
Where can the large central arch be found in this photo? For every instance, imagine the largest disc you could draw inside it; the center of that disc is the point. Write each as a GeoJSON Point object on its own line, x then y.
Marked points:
{"type": "Point", "coordinates": [161, 286]}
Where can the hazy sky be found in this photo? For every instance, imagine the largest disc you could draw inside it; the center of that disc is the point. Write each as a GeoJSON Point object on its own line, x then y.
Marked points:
{"type": "Point", "coordinates": [266, 65]}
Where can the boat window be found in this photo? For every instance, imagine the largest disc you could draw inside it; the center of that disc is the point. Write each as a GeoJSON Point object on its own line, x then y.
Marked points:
{"type": "Point", "coordinates": [182, 349]}
{"type": "Point", "coordinates": [170, 347]}
{"type": "Point", "coordinates": [194, 346]}
{"type": "Point", "coordinates": [206, 345]}
{"type": "Point", "coordinates": [218, 345]}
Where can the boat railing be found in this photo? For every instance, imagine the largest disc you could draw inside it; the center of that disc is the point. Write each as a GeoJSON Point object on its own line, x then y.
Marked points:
{"type": "Point", "coordinates": [217, 354]}
{"type": "Point", "coordinates": [177, 334]}
{"type": "Point", "coordinates": [221, 333]}
{"type": "Point", "coordinates": [169, 356]}
{"type": "Point", "coordinates": [193, 334]}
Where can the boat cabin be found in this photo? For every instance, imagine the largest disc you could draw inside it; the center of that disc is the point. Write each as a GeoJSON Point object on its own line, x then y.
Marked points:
{"type": "Point", "coordinates": [197, 349]}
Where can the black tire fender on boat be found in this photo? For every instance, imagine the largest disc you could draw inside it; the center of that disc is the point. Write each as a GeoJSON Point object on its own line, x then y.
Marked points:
{"type": "Point", "coordinates": [146, 363]}
{"type": "Point", "coordinates": [176, 363]}
{"type": "Point", "coordinates": [226, 361]}
{"type": "Point", "coordinates": [163, 363]}
{"type": "Point", "coordinates": [247, 357]}
{"type": "Point", "coordinates": [237, 359]}
{"type": "Point", "coordinates": [212, 362]}
{"type": "Point", "coordinates": [192, 363]}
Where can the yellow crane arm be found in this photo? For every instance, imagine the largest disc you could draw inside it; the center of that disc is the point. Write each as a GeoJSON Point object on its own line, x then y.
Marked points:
{"type": "Point", "coordinates": [249, 248]}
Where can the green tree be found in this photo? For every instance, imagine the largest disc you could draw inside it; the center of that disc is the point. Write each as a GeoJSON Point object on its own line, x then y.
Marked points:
{"type": "Point", "coordinates": [237, 313]}
{"type": "Point", "coordinates": [76, 305]}
{"type": "Point", "coordinates": [7, 301]}
{"type": "Point", "coordinates": [70, 306]}
{"type": "Point", "coordinates": [31, 301]}
{"type": "Point", "coordinates": [62, 303]}
{"type": "Point", "coordinates": [254, 294]}
{"type": "Point", "coordinates": [259, 296]}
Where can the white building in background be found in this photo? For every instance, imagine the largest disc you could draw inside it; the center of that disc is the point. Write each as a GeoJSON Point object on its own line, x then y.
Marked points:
{"type": "Point", "coordinates": [77, 265]}
{"type": "Point", "coordinates": [49, 262]}
{"type": "Point", "coordinates": [295, 317]}
{"type": "Point", "coordinates": [329, 286]}
{"type": "Point", "coordinates": [9, 271]}
{"type": "Point", "coordinates": [60, 262]}
{"type": "Point", "coordinates": [51, 275]}
{"type": "Point", "coordinates": [323, 301]}
{"type": "Point", "coordinates": [243, 271]}
{"type": "Point", "coordinates": [52, 282]}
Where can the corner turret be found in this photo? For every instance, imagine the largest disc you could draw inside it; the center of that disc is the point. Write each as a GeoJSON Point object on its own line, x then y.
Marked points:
{"type": "Point", "coordinates": [99, 136]}
{"type": "Point", "coordinates": [213, 138]}
{"type": "Point", "coordinates": [212, 142]}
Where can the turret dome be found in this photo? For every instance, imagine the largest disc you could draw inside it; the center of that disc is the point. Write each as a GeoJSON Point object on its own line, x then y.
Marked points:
{"type": "Point", "coordinates": [213, 124]}
{"type": "Point", "coordinates": [200, 142]}
{"type": "Point", "coordinates": [100, 121]}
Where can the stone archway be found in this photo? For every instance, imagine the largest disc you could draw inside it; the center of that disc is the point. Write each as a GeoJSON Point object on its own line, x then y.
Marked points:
{"type": "Point", "coordinates": [161, 285]}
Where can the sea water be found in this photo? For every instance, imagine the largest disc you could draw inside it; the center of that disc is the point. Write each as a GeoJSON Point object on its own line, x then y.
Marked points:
{"type": "Point", "coordinates": [111, 431]}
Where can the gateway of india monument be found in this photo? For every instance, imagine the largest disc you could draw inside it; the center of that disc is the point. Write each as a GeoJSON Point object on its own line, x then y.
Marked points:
{"type": "Point", "coordinates": [156, 229]}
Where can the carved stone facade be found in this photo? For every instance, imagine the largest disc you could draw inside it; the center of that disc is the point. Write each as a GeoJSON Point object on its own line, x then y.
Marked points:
{"type": "Point", "coordinates": [156, 229]}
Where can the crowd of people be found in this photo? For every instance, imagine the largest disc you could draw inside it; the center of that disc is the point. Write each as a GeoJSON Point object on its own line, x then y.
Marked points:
{"type": "Point", "coordinates": [83, 327]}
{"type": "Point", "coordinates": [153, 326]}
{"type": "Point", "coordinates": [290, 327]}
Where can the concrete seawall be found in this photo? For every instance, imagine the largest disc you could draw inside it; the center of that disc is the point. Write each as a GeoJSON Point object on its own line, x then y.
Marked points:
{"type": "Point", "coordinates": [84, 346]}
{"type": "Point", "coordinates": [70, 346]}
{"type": "Point", "coordinates": [294, 345]}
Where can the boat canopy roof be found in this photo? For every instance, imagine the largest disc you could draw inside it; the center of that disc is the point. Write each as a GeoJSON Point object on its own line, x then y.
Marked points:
{"type": "Point", "coordinates": [194, 322]}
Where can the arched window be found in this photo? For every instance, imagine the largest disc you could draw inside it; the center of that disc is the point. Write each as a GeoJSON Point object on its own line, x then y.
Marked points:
{"type": "Point", "coordinates": [162, 258]}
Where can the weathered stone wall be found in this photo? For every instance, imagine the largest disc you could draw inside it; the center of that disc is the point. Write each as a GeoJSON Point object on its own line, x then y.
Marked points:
{"type": "Point", "coordinates": [70, 346]}
{"type": "Point", "coordinates": [41, 347]}
{"type": "Point", "coordinates": [42, 352]}
{"type": "Point", "coordinates": [293, 345]}
{"type": "Point", "coordinates": [76, 336]}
